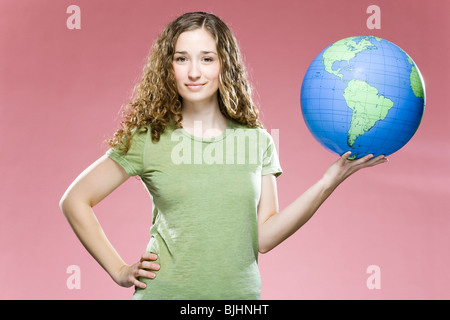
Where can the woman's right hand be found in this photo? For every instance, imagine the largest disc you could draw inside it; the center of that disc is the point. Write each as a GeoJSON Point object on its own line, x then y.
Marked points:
{"type": "Point", "coordinates": [129, 274]}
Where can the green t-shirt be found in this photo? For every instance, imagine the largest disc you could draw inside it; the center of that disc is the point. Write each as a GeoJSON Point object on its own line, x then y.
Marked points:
{"type": "Point", "coordinates": [205, 195]}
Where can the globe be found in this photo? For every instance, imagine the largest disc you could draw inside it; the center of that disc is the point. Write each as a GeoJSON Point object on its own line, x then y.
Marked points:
{"type": "Point", "coordinates": [363, 94]}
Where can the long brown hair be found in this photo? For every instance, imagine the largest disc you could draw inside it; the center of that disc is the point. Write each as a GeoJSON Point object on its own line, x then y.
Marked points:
{"type": "Point", "coordinates": [155, 100]}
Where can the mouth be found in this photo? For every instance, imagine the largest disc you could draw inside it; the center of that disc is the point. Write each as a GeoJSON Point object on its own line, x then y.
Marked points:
{"type": "Point", "coordinates": [195, 86]}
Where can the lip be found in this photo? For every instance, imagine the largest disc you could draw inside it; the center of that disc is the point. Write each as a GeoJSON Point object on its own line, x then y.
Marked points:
{"type": "Point", "coordinates": [195, 86]}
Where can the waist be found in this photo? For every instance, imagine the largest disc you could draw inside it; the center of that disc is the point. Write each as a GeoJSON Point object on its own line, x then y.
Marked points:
{"type": "Point", "coordinates": [202, 271]}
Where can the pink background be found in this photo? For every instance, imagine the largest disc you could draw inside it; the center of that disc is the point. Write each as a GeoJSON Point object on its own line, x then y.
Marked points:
{"type": "Point", "coordinates": [60, 93]}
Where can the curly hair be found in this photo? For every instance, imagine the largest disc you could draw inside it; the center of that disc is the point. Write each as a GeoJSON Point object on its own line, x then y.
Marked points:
{"type": "Point", "coordinates": [155, 100]}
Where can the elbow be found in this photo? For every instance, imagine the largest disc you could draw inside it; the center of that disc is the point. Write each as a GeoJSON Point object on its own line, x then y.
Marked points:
{"type": "Point", "coordinates": [267, 240]}
{"type": "Point", "coordinates": [63, 204]}
{"type": "Point", "coordinates": [67, 203]}
{"type": "Point", "coordinates": [73, 207]}
{"type": "Point", "coordinates": [264, 248]}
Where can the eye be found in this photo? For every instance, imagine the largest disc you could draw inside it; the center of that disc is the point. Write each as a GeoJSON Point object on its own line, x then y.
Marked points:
{"type": "Point", "coordinates": [207, 59]}
{"type": "Point", "coordinates": [180, 59]}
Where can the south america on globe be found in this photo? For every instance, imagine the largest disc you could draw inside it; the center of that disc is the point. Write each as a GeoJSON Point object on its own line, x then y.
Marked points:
{"type": "Point", "coordinates": [363, 94]}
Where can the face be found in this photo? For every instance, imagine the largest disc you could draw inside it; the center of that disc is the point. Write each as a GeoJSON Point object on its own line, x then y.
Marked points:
{"type": "Point", "coordinates": [197, 67]}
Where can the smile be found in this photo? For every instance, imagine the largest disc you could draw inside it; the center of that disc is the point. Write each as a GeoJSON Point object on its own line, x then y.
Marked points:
{"type": "Point", "coordinates": [195, 86]}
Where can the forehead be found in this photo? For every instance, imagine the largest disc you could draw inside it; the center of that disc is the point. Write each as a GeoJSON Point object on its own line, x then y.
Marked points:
{"type": "Point", "coordinates": [198, 39]}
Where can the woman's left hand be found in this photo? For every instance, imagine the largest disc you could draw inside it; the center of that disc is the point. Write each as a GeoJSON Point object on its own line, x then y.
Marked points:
{"type": "Point", "coordinates": [343, 167]}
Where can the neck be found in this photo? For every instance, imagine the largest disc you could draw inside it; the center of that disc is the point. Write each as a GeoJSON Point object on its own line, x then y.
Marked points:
{"type": "Point", "coordinates": [213, 122]}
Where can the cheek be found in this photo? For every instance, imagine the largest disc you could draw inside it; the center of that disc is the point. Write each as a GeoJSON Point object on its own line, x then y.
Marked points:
{"type": "Point", "coordinates": [178, 74]}
{"type": "Point", "coordinates": [213, 73]}
{"type": "Point", "coordinates": [177, 70]}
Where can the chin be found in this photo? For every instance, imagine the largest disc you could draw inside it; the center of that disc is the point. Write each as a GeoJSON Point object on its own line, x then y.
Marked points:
{"type": "Point", "coordinates": [192, 98]}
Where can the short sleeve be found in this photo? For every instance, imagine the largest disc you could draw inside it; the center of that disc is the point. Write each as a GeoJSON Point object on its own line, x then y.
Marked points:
{"type": "Point", "coordinates": [133, 160]}
{"type": "Point", "coordinates": [271, 162]}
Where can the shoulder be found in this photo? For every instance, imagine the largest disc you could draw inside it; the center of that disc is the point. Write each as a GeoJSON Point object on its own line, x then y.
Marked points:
{"type": "Point", "coordinates": [233, 124]}
{"type": "Point", "coordinates": [139, 135]}
{"type": "Point", "coordinates": [261, 133]}
{"type": "Point", "coordinates": [135, 139]}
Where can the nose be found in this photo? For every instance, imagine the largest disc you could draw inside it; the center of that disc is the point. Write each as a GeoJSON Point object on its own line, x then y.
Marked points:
{"type": "Point", "coordinates": [194, 71]}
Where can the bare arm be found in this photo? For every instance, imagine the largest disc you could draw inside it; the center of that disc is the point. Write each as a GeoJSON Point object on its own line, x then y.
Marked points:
{"type": "Point", "coordinates": [274, 227]}
{"type": "Point", "coordinates": [89, 188]}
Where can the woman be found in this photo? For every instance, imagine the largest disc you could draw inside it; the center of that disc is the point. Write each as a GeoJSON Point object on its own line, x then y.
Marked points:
{"type": "Point", "coordinates": [193, 136]}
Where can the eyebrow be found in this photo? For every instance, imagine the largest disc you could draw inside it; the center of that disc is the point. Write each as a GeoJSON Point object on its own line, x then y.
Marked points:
{"type": "Point", "coordinates": [202, 52]}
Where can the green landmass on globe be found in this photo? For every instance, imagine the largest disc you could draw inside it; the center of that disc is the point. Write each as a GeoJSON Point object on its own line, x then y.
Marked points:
{"type": "Point", "coordinates": [368, 107]}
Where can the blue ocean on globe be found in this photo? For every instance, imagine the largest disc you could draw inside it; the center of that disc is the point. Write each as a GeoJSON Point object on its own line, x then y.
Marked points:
{"type": "Point", "coordinates": [363, 94]}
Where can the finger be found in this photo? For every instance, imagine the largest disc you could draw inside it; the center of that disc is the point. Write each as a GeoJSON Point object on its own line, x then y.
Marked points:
{"type": "Point", "coordinates": [149, 256]}
{"type": "Point", "coordinates": [146, 274]}
{"type": "Point", "coordinates": [346, 155]}
{"type": "Point", "coordinates": [366, 158]}
{"type": "Point", "coordinates": [380, 159]}
{"type": "Point", "coordinates": [139, 284]}
{"type": "Point", "coordinates": [374, 161]}
{"type": "Point", "coordinates": [133, 279]}
{"type": "Point", "coordinates": [149, 265]}
{"type": "Point", "coordinates": [360, 162]}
